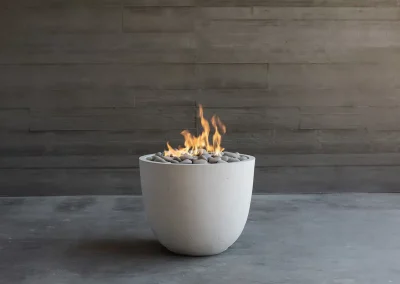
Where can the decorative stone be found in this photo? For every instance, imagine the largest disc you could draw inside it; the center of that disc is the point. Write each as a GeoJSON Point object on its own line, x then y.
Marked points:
{"type": "Point", "coordinates": [225, 158]}
{"type": "Point", "coordinates": [232, 155]}
{"type": "Point", "coordinates": [232, 160]}
{"type": "Point", "coordinates": [243, 158]}
{"type": "Point", "coordinates": [167, 158]}
{"type": "Point", "coordinates": [207, 156]}
{"type": "Point", "coordinates": [187, 161]}
{"type": "Point", "coordinates": [177, 159]}
{"type": "Point", "coordinates": [185, 157]}
{"type": "Point", "coordinates": [160, 154]}
{"type": "Point", "coordinates": [174, 162]}
{"type": "Point", "coordinates": [160, 160]}
{"type": "Point", "coordinates": [202, 157]}
{"type": "Point", "coordinates": [222, 162]}
{"type": "Point", "coordinates": [214, 160]}
{"type": "Point", "coordinates": [203, 151]}
{"type": "Point", "coordinates": [200, 161]}
{"type": "Point", "coordinates": [150, 158]}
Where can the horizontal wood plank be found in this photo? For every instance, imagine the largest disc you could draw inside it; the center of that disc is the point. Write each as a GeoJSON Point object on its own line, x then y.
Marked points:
{"type": "Point", "coordinates": [41, 182]}
{"type": "Point", "coordinates": [158, 3]}
{"type": "Point", "coordinates": [113, 119]}
{"type": "Point", "coordinates": [241, 76]}
{"type": "Point", "coordinates": [70, 20]}
{"type": "Point", "coordinates": [94, 143]}
{"type": "Point", "coordinates": [274, 41]}
{"type": "Point", "coordinates": [368, 77]}
{"type": "Point", "coordinates": [158, 19]}
{"type": "Point", "coordinates": [226, 98]}
{"type": "Point", "coordinates": [24, 4]}
{"type": "Point", "coordinates": [58, 48]}
{"type": "Point", "coordinates": [326, 179]}
{"type": "Point", "coordinates": [300, 13]}
{"type": "Point", "coordinates": [14, 119]}
{"type": "Point", "coordinates": [113, 96]}
{"type": "Point", "coordinates": [127, 96]}
{"type": "Point", "coordinates": [350, 118]}
{"type": "Point", "coordinates": [298, 3]}
{"type": "Point", "coordinates": [87, 77]}
{"type": "Point", "coordinates": [170, 76]}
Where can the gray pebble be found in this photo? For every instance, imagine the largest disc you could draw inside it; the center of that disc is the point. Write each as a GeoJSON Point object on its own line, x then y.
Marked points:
{"type": "Point", "coordinates": [222, 162]}
{"type": "Point", "coordinates": [160, 154]}
{"type": "Point", "coordinates": [150, 158]}
{"type": "Point", "coordinates": [200, 161]}
{"type": "Point", "coordinates": [243, 158]}
{"type": "Point", "coordinates": [225, 158]}
{"type": "Point", "coordinates": [214, 160]}
{"type": "Point", "coordinates": [177, 159]}
{"type": "Point", "coordinates": [207, 156]}
{"type": "Point", "coordinates": [232, 155]}
{"type": "Point", "coordinates": [202, 157]}
{"type": "Point", "coordinates": [185, 157]}
{"type": "Point", "coordinates": [232, 160]}
{"type": "Point", "coordinates": [168, 159]}
{"type": "Point", "coordinates": [160, 160]}
{"type": "Point", "coordinates": [187, 161]}
{"type": "Point", "coordinates": [174, 162]}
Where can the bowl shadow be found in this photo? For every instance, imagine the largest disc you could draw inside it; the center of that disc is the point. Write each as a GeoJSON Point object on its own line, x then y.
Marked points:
{"type": "Point", "coordinates": [132, 248]}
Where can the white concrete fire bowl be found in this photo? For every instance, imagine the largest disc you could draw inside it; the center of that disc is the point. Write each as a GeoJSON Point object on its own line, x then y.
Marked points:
{"type": "Point", "coordinates": [197, 209]}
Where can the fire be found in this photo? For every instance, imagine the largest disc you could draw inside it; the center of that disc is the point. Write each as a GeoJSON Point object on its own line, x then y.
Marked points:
{"type": "Point", "coordinates": [195, 145]}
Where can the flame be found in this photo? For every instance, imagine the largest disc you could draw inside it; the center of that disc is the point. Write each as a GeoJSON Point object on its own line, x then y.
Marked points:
{"type": "Point", "coordinates": [195, 145]}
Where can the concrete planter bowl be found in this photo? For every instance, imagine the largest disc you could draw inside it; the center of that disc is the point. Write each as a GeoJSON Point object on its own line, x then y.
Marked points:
{"type": "Point", "coordinates": [197, 209]}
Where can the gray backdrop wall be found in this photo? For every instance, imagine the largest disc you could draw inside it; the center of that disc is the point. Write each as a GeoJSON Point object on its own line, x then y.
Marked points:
{"type": "Point", "coordinates": [310, 87]}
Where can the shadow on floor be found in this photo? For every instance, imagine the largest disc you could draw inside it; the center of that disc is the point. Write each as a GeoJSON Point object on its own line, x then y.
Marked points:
{"type": "Point", "coordinates": [132, 256]}
{"type": "Point", "coordinates": [123, 248]}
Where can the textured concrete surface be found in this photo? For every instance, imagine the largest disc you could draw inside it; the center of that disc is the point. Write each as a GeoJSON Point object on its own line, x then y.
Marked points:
{"type": "Point", "coordinates": [308, 239]}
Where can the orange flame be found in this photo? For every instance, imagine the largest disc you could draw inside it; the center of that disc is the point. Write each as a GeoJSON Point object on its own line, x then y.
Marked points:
{"type": "Point", "coordinates": [195, 145]}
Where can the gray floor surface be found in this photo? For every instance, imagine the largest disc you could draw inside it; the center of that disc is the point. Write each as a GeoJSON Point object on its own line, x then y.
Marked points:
{"type": "Point", "coordinates": [299, 239]}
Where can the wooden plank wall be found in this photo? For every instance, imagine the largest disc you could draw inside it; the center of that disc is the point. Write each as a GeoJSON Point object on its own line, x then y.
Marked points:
{"type": "Point", "coordinates": [310, 87]}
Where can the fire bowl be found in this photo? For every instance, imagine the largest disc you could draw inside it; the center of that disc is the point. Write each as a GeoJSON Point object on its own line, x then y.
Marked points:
{"type": "Point", "coordinates": [197, 209]}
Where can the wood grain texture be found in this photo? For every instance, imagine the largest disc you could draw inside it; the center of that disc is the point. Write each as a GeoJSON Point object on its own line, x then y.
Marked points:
{"type": "Point", "coordinates": [39, 182]}
{"type": "Point", "coordinates": [64, 20]}
{"type": "Point", "coordinates": [158, 19]}
{"type": "Point", "coordinates": [111, 119]}
{"type": "Point", "coordinates": [309, 87]}
{"type": "Point", "coordinates": [24, 4]}
{"type": "Point", "coordinates": [352, 76]}
{"type": "Point", "coordinates": [14, 119]}
{"type": "Point", "coordinates": [300, 13]}
{"type": "Point", "coordinates": [330, 179]}
{"type": "Point", "coordinates": [159, 3]}
{"type": "Point", "coordinates": [97, 48]}
{"type": "Point", "coordinates": [47, 78]}
{"type": "Point", "coordinates": [113, 96]}
{"type": "Point", "coordinates": [87, 143]}
{"type": "Point", "coordinates": [296, 97]}
{"type": "Point", "coordinates": [298, 3]}
{"type": "Point", "coordinates": [298, 41]}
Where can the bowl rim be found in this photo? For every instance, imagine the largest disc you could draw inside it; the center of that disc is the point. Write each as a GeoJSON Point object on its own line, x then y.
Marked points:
{"type": "Point", "coordinates": [144, 159]}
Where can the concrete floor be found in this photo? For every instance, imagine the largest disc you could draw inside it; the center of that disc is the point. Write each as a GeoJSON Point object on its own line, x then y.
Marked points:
{"type": "Point", "coordinates": [307, 239]}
